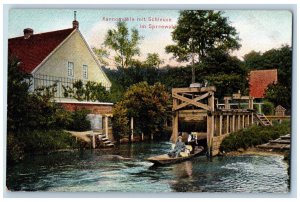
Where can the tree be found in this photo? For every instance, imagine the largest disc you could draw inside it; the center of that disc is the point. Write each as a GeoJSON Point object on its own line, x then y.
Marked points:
{"type": "Point", "coordinates": [201, 31]}
{"type": "Point", "coordinates": [101, 54]}
{"type": "Point", "coordinates": [124, 44]}
{"type": "Point", "coordinates": [153, 60]}
{"type": "Point", "coordinates": [147, 105]}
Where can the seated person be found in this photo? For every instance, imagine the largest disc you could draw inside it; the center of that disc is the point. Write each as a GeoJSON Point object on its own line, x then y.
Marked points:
{"type": "Point", "coordinates": [179, 147]}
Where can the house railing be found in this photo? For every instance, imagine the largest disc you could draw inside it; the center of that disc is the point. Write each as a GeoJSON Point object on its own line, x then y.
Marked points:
{"type": "Point", "coordinates": [41, 81]}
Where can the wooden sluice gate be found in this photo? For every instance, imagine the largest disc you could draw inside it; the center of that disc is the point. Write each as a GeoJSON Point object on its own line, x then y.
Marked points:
{"type": "Point", "coordinates": [197, 104]}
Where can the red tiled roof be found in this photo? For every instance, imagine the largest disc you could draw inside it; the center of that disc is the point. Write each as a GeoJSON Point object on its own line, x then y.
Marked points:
{"type": "Point", "coordinates": [31, 52]}
{"type": "Point", "coordinates": [259, 81]}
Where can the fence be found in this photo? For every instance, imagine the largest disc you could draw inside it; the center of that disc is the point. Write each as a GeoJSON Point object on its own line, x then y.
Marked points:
{"type": "Point", "coordinates": [40, 81]}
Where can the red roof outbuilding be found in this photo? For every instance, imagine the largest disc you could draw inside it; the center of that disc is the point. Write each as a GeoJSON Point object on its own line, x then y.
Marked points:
{"type": "Point", "coordinates": [259, 81]}
{"type": "Point", "coordinates": [33, 50]}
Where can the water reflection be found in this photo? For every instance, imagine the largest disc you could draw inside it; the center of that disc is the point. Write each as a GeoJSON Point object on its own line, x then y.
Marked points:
{"type": "Point", "coordinates": [106, 170]}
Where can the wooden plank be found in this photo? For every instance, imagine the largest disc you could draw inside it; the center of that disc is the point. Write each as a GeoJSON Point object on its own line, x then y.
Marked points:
{"type": "Point", "coordinates": [197, 104]}
{"type": "Point", "coordinates": [194, 111]}
{"type": "Point", "coordinates": [194, 90]}
{"type": "Point", "coordinates": [195, 99]}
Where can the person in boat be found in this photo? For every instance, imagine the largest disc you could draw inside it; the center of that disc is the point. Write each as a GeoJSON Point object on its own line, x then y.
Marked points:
{"type": "Point", "coordinates": [192, 140]}
{"type": "Point", "coordinates": [179, 147]}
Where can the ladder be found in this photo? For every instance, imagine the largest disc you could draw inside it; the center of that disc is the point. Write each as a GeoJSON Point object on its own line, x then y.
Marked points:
{"type": "Point", "coordinates": [262, 119]}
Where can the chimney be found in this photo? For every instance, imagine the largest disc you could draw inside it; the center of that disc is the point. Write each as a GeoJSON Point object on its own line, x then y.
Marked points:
{"type": "Point", "coordinates": [75, 22]}
{"type": "Point", "coordinates": [27, 33]}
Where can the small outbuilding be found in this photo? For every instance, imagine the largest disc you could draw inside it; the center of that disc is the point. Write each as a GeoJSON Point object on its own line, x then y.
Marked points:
{"type": "Point", "coordinates": [280, 111]}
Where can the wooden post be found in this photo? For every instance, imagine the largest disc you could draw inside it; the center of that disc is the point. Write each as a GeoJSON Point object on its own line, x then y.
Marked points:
{"type": "Point", "coordinates": [252, 118]}
{"type": "Point", "coordinates": [233, 123]}
{"type": "Point", "coordinates": [106, 126]}
{"type": "Point", "coordinates": [131, 128]}
{"type": "Point", "coordinates": [227, 106]}
{"type": "Point", "coordinates": [247, 121]}
{"type": "Point", "coordinates": [93, 140]}
{"type": "Point", "coordinates": [239, 122]}
{"type": "Point", "coordinates": [175, 121]}
{"type": "Point", "coordinates": [142, 136]}
{"type": "Point", "coordinates": [210, 125]}
{"type": "Point", "coordinates": [220, 124]}
{"type": "Point", "coordinates": [243, 121]}
{"type": "Point", "coordinates": [227, 124]}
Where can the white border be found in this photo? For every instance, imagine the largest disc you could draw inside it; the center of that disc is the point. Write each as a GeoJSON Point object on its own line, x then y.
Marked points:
{"type": "Point", "coordinates": [184, 5]}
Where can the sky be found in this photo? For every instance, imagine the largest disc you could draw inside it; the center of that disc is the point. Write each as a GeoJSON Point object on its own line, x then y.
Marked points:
{"type": "Point", "coordinates": [259, 30]}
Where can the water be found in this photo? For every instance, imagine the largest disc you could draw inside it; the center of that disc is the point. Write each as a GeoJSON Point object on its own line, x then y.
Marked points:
{"type": "Point", "coordinates": [99, 171]}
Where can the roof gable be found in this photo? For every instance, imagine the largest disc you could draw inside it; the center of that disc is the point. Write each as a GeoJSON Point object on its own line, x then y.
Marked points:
{"type": "Point", "coordinates": [31, 52]}
{"type": "Point", "coordinates": [259, 81]}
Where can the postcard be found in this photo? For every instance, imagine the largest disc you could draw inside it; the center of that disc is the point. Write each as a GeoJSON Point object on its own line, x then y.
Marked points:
{"type": "Point", "coordinates": [149, 101]}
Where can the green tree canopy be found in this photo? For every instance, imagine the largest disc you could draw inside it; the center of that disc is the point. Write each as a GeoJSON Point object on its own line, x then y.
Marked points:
{"type": "Point", "coordinates": [124, 43]}
{"type": "Point", "coordinates": [200, 31]}
{"type": "Point", "coordinates": [146, 104]}
{"type": "Point", "coordinates": [153, 60]}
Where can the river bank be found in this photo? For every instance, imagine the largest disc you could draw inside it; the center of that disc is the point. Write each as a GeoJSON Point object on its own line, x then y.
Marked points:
{"type": "Point", "coordinates": [254, 151]}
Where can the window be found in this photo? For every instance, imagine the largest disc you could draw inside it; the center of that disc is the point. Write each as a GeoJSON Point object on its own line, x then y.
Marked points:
{"type": "Point", "coordinates": [85, 71]}
{"type": "Point", "coordinates": [71, 69]}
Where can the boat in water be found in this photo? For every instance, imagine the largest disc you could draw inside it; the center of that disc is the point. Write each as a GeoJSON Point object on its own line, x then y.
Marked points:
{"type": "Point", "coordinates": [165, 159]}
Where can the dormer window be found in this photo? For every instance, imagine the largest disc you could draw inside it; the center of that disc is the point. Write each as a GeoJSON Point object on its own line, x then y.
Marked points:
{"type": "Point", "coordinates": [71, 69]}
{"type": "Point", "coordinates": [85, 71]}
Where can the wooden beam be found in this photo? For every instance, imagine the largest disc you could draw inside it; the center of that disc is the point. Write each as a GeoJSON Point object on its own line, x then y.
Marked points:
{"type": "Point", "coordinates": [239, 122]}
{"type": "Point", "coordinates": [197, 104]}
{"type": "Point", "coordinates": [195, 99]}
{"type": "Point", "coordinates": [210, 134]}
{"type": "Point", "coordinates": [227, 124]}
{"type": "Point", "coordinates": [220, 124]}
{"type": "Point", "coordinates": [194, 90]}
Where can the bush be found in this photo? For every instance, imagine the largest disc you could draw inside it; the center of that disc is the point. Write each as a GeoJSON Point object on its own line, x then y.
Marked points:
{"type": "Point", "coordinates": [253, 136]}
{"type": "Point", "coordinates": [268, 108]}
{"type": "Point", "coordinates": [44, 141]}
{"type": "Point", "coordinates": [79, 121]}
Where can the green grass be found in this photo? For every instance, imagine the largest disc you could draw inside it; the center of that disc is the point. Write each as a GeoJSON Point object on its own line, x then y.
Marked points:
{"type": "Point", "coordinates": [254, 135]}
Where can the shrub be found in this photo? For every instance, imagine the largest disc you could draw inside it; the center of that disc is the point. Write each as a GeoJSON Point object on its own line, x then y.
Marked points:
{"type": "Point", "coordinates": [255, 135]}
{"type": "Point", "coordinates": [79, 121]}
{"type": "Point", "coordinates": [268, 108]}
{"type": "Point", "coordinates": [44, 141]}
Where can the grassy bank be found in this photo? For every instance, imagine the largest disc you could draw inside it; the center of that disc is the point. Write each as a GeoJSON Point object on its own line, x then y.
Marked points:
{"type": "Point", "coordinates": [253, 136]}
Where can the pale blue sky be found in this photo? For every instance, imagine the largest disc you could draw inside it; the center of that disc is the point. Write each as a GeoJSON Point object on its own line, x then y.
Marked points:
{"type": "Point", "coordinates": [259, 30]}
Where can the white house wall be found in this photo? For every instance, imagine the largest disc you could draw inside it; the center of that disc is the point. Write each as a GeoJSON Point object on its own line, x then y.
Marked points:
{"type": "Point", "coordinates": [73, 50]}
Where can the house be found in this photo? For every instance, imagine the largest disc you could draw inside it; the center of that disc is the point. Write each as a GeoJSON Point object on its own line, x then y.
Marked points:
{"type": "Point", "coordinates": [61, 57]}
{"type": "Point", "coordinates": [259, 81]}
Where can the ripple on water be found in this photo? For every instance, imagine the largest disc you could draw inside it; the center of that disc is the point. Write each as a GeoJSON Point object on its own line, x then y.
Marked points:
{"type": "Point", "coordinates": [88, 172]}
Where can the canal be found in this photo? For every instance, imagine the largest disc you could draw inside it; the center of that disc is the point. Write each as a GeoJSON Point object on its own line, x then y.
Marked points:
{"type": "Point", "coordinates": [104, 170]}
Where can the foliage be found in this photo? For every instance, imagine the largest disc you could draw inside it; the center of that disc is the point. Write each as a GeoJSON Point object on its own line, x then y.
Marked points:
{"type": "Point", "coordinates": [124, 44]}
{"type": "Point", "coordinates": [200, 31]}
{"type": "Point", "coordinates": [279, 95]}
{"type": "Point", "coordinates": [280, 59]}
{"type": "Point", "coordinates": [91, 91]}
{"type": "Point", "coordinates": [147, 105]}
{"type": "Point", "coordinates": [153, 60]}
{"type": "Point", "coordinates": [255, 135]}
{"type": "Point", "coordinates": [120, 120]}
{"type": "Point", "coordinates": [39, 141]}
{"type": "Point", "coordinates": [268, 108]}
{"type": "Point", "coordinates": [35, 122]}
{"type": "Point", "coordinates": [102, 54]}
{"type": "Point", "coordinates": [79, 121]}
